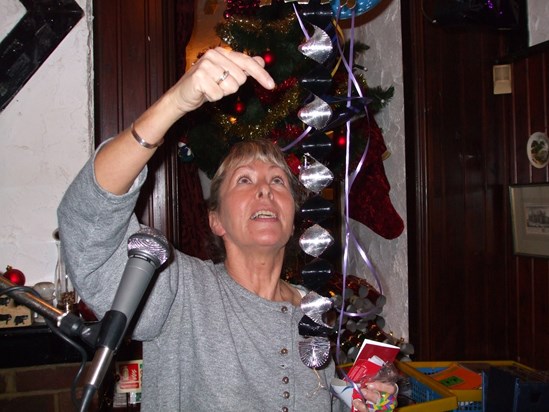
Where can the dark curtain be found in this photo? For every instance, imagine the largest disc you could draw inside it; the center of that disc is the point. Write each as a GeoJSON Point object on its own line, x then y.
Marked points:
{"type": "Point", "coordinates": [194, 230]}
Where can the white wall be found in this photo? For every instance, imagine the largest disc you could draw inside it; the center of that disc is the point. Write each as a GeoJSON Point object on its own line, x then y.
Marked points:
{"type": "Point", "coordinates": [45, 135]}
{"type": "Point", "coordinates": [382, 32]}
{"type": "Point", "coordinates": [538, 27]}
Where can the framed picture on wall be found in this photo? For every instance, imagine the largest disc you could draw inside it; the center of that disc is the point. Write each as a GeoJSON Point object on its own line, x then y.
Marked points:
{"type": "Point", "coordinates": [530, 219]}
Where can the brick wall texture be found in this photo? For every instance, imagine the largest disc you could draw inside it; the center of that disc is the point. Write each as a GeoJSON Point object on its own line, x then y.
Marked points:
{"type": "Point", "coordinates": [39, 388]}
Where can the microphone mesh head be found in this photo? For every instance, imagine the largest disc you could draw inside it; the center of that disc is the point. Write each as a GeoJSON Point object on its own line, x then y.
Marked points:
{"type": "Point", "coordinates": [150, 244]}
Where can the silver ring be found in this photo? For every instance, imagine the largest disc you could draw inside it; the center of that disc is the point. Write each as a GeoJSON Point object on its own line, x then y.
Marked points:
{"type": "Point", "coordinates": [223, 76]}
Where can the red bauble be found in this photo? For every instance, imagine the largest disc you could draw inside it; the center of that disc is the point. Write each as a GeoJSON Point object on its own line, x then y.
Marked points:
{"type": "Point", "coordinates": [15, 276]}
{"type": "Point", "coordinates": [293, 163]}
{"type": "Point", "coordinates": [239, 107]}
{"type": "Point", "coordinates": [269, 58]}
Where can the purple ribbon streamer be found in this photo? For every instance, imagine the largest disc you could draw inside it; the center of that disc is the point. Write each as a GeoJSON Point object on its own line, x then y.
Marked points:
{"type": "Point", "coordinates": [350, 237]}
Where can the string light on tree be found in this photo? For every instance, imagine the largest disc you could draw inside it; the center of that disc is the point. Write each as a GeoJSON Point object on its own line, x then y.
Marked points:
{"type": "Point", "coordinates": [269, 58]}
{"type": "Point", "coordinates": [239, 107]}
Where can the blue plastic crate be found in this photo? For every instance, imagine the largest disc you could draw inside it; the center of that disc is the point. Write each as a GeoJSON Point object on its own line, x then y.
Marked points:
{"type": "Point", "coordinates": [463, 405]}
{"type": "Point", "coordinates": [426, 393]}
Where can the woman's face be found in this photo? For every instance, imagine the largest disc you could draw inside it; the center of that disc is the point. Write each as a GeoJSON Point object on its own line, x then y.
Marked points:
{"type": "Point", "coordinates": [256, 208]}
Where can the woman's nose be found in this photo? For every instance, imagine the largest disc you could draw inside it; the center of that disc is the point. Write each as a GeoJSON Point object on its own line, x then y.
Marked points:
{"type": "Point", "coordinates": [264, 190]}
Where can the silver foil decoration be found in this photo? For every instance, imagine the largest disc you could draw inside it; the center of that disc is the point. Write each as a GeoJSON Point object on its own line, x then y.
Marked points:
{"type": "Point", "coordinates": [315, 240]}
{"type": "Point", "coordinates": [314, 175]}
{"type": "Point", "coordinates": [314, 352]}
{"type": "Point", "coordinates": [315, 306]}
{"type": "Point", "coordinates": [318, 47]}
{"type": "Point", "coordinates": [316, 114]}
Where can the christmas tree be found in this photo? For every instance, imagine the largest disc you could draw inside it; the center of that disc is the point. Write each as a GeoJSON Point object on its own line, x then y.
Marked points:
{"type": "Point", "coordinates": [274, 32]}
{"type": "Point", "coordinates": [302, 69]}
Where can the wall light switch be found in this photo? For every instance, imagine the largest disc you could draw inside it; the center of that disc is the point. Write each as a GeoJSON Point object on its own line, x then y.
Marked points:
{"type": "Point", "coordinates": [502, 79]}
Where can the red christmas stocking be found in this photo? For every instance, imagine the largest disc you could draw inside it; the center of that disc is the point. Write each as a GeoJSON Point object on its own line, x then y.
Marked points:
{"type": "Point", "coordinates": [369, 201]}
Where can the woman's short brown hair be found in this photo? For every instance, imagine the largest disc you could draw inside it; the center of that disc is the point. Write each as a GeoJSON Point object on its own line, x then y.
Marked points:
{"type": "Point", "coordinates": [250, 150]}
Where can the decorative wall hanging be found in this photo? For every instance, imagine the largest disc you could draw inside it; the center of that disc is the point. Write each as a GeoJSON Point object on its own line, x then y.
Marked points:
{"type": "Point", "coordinates": [537, 150]}
{"type": "Point", "coordinates": [32, 40]}
{"type": "Point", "coordinates": [530, 219]}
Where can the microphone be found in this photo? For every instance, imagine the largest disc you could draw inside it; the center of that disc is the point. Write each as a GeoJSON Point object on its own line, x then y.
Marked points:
{"type": "Point", "coordinates": [148, 249]}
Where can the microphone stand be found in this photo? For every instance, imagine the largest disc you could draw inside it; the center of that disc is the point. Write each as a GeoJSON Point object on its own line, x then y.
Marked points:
{"type": "Point", "coordinates": [148, 249]}
{"type": "Point", "coordinates": [68, 323]}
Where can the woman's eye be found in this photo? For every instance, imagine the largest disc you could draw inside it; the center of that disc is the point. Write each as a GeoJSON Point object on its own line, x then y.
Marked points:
{"type": "Point", "coordinates": [279, 180]}
{"type": "Point", "coordinates": [244, 179]}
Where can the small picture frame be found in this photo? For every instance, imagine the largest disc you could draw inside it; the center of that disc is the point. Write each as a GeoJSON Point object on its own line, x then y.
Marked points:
{"type": "Point", "coordinates": [530, 219]}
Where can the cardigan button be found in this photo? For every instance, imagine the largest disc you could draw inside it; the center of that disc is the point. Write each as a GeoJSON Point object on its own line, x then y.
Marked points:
{"type": "Point", "coordinates": [284, 409]}
{"type": "Point", "coordinates": [283, 351]}
{"type": "Point", "coordinates": [284, 309]}
{"type": "Point", "coordinates": [286, 394]}
{"type": "Point", "coordinates": [285, 379]}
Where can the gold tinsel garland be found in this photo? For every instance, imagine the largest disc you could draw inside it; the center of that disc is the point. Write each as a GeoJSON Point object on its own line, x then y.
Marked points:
{"type": "Point", "coordinates": [253, 26]}
{"type": "Point", "coordinates": [289, 103]}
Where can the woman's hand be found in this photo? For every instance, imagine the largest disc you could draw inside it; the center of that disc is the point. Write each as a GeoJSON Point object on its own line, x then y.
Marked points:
{"type": "Point", "coordinates": [218, 73]}
{"type": "Point", "coordinates": [378, 393]}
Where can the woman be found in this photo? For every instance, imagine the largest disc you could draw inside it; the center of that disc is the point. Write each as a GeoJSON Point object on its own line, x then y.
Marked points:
{"type": "Point", "coordinates": [215, 336]}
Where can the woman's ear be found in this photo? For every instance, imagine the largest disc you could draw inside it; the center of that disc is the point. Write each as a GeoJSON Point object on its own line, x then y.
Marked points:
{"type": "Point", "coordinates": [215, 225]}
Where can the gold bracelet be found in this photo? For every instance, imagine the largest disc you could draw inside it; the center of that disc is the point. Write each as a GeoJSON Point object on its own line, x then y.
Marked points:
{"type": "Point", "coordinates": [142, 142]}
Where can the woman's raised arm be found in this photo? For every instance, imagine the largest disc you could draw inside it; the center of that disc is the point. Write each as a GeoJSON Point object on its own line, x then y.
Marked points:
{"type": "Point", "coordinates": [218, 73]}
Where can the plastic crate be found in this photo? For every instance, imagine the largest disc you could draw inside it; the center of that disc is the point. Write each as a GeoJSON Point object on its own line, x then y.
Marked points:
{"type": "Point", "coordinates": [467, 400]}
{"type": "Point", "coordinates": [428, 394]}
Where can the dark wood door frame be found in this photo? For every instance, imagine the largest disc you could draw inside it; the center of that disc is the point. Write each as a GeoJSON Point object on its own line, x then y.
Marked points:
{"type": "Point", "coordinates": [416, 174]}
